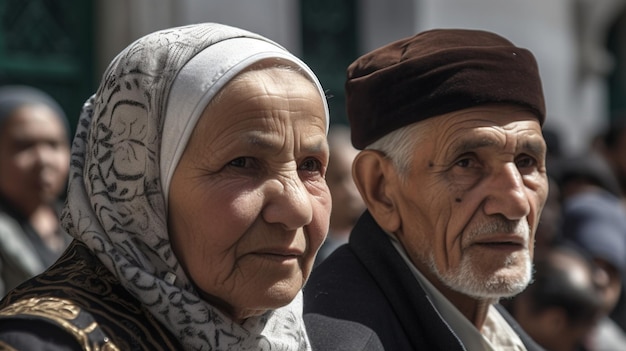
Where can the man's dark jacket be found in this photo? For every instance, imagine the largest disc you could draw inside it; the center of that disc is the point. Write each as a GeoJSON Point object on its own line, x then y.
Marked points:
{"type": "Point", "coordinates": [368, 282]}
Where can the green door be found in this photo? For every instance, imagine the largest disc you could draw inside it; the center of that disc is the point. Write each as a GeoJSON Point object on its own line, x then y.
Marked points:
{"type": "Point", "coordinates": [48, 44]}
{"type": "Point", "coordinates": [329, 45]}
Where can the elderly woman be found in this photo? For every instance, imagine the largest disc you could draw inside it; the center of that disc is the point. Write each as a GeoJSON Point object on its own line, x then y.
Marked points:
{"type": "Point", "coordinates": [34, 162]}
{"type": "Point", "coordinates": [196, 198]}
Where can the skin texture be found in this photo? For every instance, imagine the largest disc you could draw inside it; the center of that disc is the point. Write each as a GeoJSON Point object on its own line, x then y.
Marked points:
{"type": "Point", "coordinates": [469, 208]}
{"type": "Point", "coordinates": [249, 206]}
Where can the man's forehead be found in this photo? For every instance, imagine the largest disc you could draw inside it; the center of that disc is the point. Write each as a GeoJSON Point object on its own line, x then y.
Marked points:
{"type": "Point", "coordinates": [466, 137]}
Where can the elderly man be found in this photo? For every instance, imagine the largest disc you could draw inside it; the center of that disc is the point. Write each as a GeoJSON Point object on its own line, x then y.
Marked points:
{"type": "Point", "coordinates": [452, 170]}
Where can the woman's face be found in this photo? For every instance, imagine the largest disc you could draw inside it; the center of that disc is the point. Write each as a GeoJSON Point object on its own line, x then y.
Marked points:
{"type": "Point", "coordinates": [248, 204]}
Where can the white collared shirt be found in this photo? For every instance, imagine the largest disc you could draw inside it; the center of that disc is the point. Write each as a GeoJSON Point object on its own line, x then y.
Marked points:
{"type": "Point", "coordinates": [496, 333]}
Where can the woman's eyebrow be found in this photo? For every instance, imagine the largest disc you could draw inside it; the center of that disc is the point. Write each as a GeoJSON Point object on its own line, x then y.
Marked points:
{"type": "Point", "coordinates": [266, 143]}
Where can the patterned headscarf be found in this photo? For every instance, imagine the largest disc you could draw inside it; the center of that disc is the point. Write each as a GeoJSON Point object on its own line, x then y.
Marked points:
{"type": "Point", "coordinates": [129, 138]}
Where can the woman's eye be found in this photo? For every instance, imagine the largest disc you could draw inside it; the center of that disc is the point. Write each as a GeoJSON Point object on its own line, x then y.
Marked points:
{"type": "Point", "coordinates": [311, 165]}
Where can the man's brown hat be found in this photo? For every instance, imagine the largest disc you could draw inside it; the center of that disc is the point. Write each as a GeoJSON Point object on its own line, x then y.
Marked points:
{"type": "Point", "coordinates": [436, 72]}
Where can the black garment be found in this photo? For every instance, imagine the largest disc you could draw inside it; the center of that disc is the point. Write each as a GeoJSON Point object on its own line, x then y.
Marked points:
{"type": "Point", "coordinates": [330, 334]}
{"type": "Point", "coordinates": [23, 253]}
{"type": "Point", "coordinates": [78, 304]}
{"type": "Point", "coordinates": [368, 282]}
{"type": "Point", "coordinates": [47, 256]}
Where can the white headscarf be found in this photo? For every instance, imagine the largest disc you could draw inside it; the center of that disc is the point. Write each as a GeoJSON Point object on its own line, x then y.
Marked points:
{"type": "Point", "coordinates": [129, 139]}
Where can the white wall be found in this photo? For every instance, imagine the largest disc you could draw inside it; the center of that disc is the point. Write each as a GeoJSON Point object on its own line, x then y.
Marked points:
{"type": "Point", "coordinates": [122, 21]}
{"type": "Point", "coordinates": [574, 86]}
{"type": "Point", "coordinates": [570, 57]}
{"type": "Point", "coordinates": [278, 20]}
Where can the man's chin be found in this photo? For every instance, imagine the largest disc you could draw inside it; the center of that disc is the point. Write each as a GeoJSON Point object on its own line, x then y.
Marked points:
{"type": "Point", "coordinates": [505, 283]}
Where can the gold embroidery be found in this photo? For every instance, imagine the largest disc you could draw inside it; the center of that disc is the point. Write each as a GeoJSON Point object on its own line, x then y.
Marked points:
{"type": "Point", "coordinates": [62, 312]}
{"type": "Point", "coordinates": [6, 347]}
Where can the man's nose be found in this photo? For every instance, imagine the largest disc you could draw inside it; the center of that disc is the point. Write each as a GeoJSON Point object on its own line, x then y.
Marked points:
{"type": "Point", "coordinates": [507, 194]}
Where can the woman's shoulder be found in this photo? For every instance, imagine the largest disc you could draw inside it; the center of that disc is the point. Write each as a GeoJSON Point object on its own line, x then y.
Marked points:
{"type": "Point", "coordinates": [80, 296]}
{"type": "Point", "coordinates": [51, 324]}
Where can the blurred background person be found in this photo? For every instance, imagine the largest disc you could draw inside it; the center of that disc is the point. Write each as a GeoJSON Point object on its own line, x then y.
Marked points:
{"type": "Point", "coordinates": [562, 305]}
{"type": "Point", "coordinates": [347, 202]}
{"type": "Point", "coordinates": [34, 163]}
{"type": "Point", "coordinates": [613, 147]}
{"type": "Point", "coordinates": [549, 227]}
{"type": "Point", "coordinates": [594, 218]}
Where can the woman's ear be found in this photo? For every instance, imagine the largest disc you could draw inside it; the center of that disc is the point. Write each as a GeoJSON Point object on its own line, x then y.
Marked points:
{"type": "Point", "coordinates": [376, 179]}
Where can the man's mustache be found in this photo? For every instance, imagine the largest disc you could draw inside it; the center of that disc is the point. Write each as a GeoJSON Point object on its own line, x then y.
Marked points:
{"type": "Point", "coordinates": [500, 225]}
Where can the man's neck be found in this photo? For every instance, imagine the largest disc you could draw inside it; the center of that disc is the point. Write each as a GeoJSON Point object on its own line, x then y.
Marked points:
{"type": "Point", "coordinates": [475, 310]}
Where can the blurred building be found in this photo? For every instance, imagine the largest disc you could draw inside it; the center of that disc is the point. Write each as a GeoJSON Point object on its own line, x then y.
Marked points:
{"type": "Point", "coordinates": [63, 46]}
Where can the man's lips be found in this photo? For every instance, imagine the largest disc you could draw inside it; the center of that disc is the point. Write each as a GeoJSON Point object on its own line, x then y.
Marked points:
{"type": "Point", "coordinates": [508, 240]}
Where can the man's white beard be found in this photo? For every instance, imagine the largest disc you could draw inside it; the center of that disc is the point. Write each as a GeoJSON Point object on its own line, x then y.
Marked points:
{"type": "Point", "coordinates": [509, 280]}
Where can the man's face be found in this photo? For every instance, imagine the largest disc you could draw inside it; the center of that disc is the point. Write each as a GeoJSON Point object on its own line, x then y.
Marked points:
{"type": "Point", "coordinates": [471, 201]}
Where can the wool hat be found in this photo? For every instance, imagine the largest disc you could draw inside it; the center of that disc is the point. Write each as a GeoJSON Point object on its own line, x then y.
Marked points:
{"type": "Point", "coordinates": [436, 72]}
{"type": "Point", "coordinates": [596, 220]}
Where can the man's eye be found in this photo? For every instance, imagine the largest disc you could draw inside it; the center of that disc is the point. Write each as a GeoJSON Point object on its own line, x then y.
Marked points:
{"type": "Point", "coordinates": [311, 165]}
{"type": "Point", "coordinates": [240, 162]}
{"type": "Point", "coordinates": [525, 161]}
{"type": "Point", "coordinates": [464, 163]}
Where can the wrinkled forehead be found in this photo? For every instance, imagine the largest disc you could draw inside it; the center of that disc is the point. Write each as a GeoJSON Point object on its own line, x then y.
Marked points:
{"type": "Point", "coordinates": [200, 81]}
{"type": "Point", "coordinates": [491, 126]}
{"type": "Point", "coordinates": [506, 116]}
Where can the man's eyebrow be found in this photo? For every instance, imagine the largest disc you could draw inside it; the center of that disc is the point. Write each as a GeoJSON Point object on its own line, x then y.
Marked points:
{"type": "Point", "coordinates": [467, 145]}
{"type": "Point", "coordinates": [534, 146]}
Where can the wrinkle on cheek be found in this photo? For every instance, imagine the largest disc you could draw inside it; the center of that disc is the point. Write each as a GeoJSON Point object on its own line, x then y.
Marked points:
{"type": "Point", "coordinates": [321, 194]}
{"type": "Point", "coordinates": [230, 280]}
{"type": "Point", "coordinates": [447, 240]}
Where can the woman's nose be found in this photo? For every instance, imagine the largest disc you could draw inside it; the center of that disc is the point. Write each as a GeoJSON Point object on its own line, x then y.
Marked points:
{"type": "Point", "coordinates": [288, 202]}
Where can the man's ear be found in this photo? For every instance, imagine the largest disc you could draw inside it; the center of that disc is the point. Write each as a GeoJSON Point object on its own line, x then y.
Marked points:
{"type": "Point", "coordinates": [376, 179]}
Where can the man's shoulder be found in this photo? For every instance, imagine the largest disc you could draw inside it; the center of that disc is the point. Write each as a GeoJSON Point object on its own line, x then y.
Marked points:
{"type": "Point", "coordinates": [343, 292]}
{"type": "Point", "coordinates": [328, 334]}
{"type": "Point", "coordinates": [337, 281]}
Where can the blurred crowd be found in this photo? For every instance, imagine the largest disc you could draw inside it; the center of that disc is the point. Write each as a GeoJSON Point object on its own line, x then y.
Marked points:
{"type": "Point", "coordinates": [34, 164]}
{"type": "Point", "coordinates": [577, 300]}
